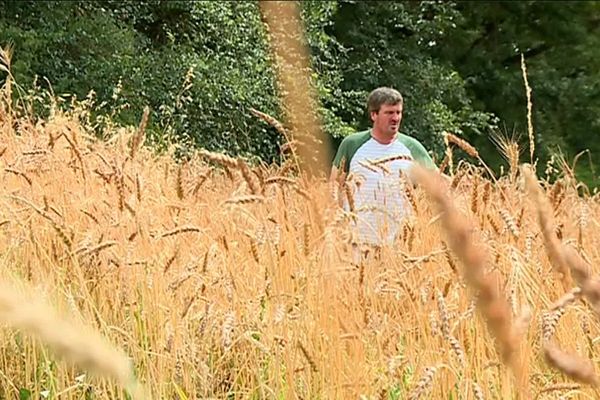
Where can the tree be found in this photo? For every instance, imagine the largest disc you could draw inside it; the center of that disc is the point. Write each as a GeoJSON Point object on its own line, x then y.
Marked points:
{"type": "Point", "coordinates": [201, 66]}
{"type": "Point", "coordinates": [559, 41]}
{"type": "Point", "coordinates": [390, 44]}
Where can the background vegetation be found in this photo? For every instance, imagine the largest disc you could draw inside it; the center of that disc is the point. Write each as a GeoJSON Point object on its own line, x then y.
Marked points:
{"type": "Point", "coordinates": [201, 66]}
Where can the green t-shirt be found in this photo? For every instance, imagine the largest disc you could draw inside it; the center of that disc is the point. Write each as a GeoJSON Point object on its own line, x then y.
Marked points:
{"type": "Point", "coordinates": [350, 145]}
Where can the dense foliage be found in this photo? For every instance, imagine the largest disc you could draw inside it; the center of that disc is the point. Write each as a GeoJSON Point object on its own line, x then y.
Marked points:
{"type": "Point", "coordinates": [201, 66]}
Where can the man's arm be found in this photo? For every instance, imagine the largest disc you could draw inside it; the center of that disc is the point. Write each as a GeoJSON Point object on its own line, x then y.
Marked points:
{"type": "Point", "coordinates": [339, 162]}
{"type": "Point", "coordinates": [337, 176]}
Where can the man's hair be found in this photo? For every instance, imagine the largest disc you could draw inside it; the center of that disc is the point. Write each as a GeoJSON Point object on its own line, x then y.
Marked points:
{"type": "Point", "coordinates": [383, 95]}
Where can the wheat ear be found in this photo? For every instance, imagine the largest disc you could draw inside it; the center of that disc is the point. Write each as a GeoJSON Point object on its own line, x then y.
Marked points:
{"type": "Point", "coordinates": [463, 144]}
{"type": "Point", "coordinates": [80, 346]}
{"type": "Point", "coordinates": [529, 107]}
{"type": "Point", "coordinates": [575, 367]}
{"type": "Point", "coordinates": [138, 139]}
{"type": "Point", "coordinates": [491, 303]}
{"type": "Point", "coordinates": [551, 241]}
{"type": "Point", "coordinates": [423, 384]}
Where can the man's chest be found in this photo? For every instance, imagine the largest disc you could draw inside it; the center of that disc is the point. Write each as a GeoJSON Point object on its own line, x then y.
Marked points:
{"type": "Point", "coordinates": [376, 164]}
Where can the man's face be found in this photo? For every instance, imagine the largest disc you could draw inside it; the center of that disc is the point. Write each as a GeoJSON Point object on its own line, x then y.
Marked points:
{"type": "Point", "coordinates": [387, 120]}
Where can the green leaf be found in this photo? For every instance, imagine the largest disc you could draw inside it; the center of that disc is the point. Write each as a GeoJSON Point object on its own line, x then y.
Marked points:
{"type": "Point", "coordinates": [180, 392]}
{"type": "Point", "coordinates": [24, 394]}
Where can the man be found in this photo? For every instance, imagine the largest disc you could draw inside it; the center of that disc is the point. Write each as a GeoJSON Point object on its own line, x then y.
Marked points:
{"type": "Point", "coordinates": [373, 162]}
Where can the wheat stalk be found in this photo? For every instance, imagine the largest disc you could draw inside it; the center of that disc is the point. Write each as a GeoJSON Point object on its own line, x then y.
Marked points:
{"type": "Point", "coordinates": [551, 241]}
{"type": "Point", "coordinates": [423, 384]}
{"type": "Point", "coordinates": [491, 304]}
{"type": "Point", "coordinates": [179, 183]}
{"type": "Point", "coordinates": [557, 387]}
{"type": "Point", "coordinates": [580, 270]}
{"type": "Point", "coordinates": [475, 196]}
{"type": "Point", "coordinates": [457, 349]}
{"type": "Point", "coordinates": [510, 222]}
{"type": "Point", "coordinates": [386, 160]}
{"type": "Point", "coordinates": [448, 158]}
{"type": "Point", "coordinates": [573, 366]}
{"type": "Point", "coordinates": [73, 144]}
{"type": "Point", "coordinates": [463, 144]}
{"type": "Point", "coordinates": [477, 392]}
{"type": "Point", "coordinates": [59, 228]}
{"type": "Point", "coordinates": [138, 138]}
{"type": "Point", "coordinates": [457, 178]}
{"type": "Point", "coordinates": [98, 248]}
{"type": "Point", "coordinates": [171, 260]}
{"type": "Point", "coordinates": [280, 180]}
{"type": "Point", "coordinates": [568, 298]}
{"type": "Point", "coordinates": [273, 122]}
{"type": "Point", "coordinates": [529, 107]}
{"type": "Point", "coordinates": [245, 199]}
{"type": "Point", "coordinates": [198, 185]}
{"type": "Point", "coordinates": [181, 229]}
{"type": "Point", "coordinates": [247, 175]}
{"type": "Point", "coordinates": [19, 173]}
{"type": "Point", "coordinates": [219, 158]}
{"type": "Point", "coordinates": [349, 196]}
{"type": "Point", "coordinates": [81, 346]}
{"type": "Point", "coordinates": [227, 331]}
{"type": "Point", "coordinates": [549, 322]}
{"type": "Point", "coordinates": [308, 357]}
{"type": "Point", "coordinates": [443, 310]}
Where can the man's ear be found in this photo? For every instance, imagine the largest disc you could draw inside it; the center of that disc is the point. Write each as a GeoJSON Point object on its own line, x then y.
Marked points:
{"type": "Point", "coordinates": [373, 115]}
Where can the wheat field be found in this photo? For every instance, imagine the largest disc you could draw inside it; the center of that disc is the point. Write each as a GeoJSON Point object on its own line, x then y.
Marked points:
{"type": "Point", "coordinates": [129, 274]}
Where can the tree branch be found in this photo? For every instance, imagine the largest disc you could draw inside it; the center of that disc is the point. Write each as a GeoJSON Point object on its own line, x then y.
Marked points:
{"type": "Point", "coordinates": [528, 54]}
{"type": "Point", "coordinates": [490, 27]}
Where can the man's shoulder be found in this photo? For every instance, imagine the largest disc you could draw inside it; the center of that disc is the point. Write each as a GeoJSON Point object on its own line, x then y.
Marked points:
{"type": "Point", "coordinates": [357, 137]}
{"type": "Point", "coordinates": [354, 141]}
{"type": "Point", "coordinates": [348, 147]}
{"type": "Point", "coordinates": [408, 140]}
{"type": "Point", "coordinates": [417, 150]}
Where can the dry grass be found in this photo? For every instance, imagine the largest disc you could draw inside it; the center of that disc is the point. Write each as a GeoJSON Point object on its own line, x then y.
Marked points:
{"type": "Point", "coordinates": [243, 285]}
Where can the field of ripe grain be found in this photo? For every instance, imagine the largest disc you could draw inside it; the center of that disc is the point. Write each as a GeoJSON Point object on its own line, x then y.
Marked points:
{"type": "Point", "coordinates": [128, 274]}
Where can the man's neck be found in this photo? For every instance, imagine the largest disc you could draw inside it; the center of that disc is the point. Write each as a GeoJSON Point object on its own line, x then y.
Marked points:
{"type": "Point", "coordinates": [383, 139]}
